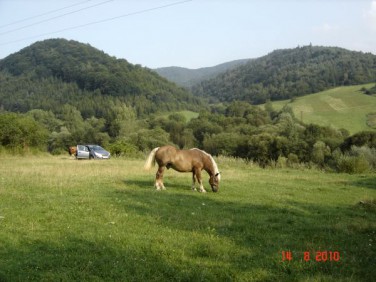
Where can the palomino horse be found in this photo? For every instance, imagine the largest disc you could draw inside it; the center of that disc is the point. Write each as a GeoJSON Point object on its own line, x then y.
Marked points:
{"type": "Point", "coordinates": [72, 150]}
{"type": "Point", "coordinates": [193, 160]}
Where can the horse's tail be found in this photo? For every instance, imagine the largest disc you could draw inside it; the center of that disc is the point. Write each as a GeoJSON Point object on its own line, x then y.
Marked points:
{"type": "Point", "coordinates": [150, 161]}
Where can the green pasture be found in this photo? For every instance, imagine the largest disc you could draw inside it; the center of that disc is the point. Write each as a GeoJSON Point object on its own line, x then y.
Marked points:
{"type": "Point", "coordinates": [342, 107]}
{"type": "Point", "coordinates": [68, 220]}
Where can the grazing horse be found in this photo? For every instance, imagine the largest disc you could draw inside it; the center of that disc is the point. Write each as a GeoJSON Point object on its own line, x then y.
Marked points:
{"type": "Point", "coordinates": [193, 160]}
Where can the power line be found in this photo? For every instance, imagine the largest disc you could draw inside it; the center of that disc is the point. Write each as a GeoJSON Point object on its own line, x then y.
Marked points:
{"type": "Point", "coordinates": [56, 17]}
{"type": "Point", "coordinates": [98, 22]}
{"type": "Point", "coordinates": [44, 14]}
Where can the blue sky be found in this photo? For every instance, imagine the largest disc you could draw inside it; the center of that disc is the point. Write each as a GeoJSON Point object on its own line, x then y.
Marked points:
{"type": "Point", "coordinates": [192, 34]}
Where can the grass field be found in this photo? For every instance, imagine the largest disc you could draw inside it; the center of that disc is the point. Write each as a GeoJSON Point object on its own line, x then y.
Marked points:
{"type": "Point", "coordinates": [68, 220]}
{"type": "Point", "coordinates": [342, 107]}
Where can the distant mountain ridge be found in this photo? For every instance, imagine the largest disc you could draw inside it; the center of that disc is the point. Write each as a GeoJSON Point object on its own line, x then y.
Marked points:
{"type": "Point", "coordinates": [56, 71]}
{"type": "Point", "coordinates": [288, 73]}
{"type": "Point", "coordinates": [188, 77]}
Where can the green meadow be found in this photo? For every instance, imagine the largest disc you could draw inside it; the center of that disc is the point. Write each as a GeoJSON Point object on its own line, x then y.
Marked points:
{"type": "Point", "coordinates": [342, 107]}
{"type": "Point", "coordinates": [68, 220]}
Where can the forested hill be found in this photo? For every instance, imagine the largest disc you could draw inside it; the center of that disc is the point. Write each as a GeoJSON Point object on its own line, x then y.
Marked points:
{"type": "Point", "coordinates": [54, 72]}
{"type": "Point", "coordinates": [288, 73]}
{"type": "Point", "coordinates": [189, 77]}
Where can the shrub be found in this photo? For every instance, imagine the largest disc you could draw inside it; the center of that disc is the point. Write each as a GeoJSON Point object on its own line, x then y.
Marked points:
{"type": "Point", "coordinates": [320, 152]}
{"type": "Point", "coordinates": [148, 139]}
{"type": "Point", "coordinates": [292, 160]}
{"type": "Point", "coordinates": [281, 162]}
{"type": "Point", "coordinates": [20, 133]}
{"type": "Point", "coordinates": [352, 164]}
{"type": "Point", "coordinates": [368, 153]}
{"type": "Point", "coordinates": [355, 160]}
{"type": "Point", "coordinates": [223, 143]}
{"type": "Point", "coordinates": [123, 148]}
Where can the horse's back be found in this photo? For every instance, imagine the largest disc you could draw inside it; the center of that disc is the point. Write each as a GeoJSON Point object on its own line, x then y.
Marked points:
{"type": "Point", "coordinates": [165, 154]}
{"type": "Point", "coordinates": [166, 150]}
{"type": "Point", "coordinates": [180, 160]}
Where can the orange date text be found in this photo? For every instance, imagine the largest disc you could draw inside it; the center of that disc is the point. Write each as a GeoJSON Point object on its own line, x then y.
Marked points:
{"type": "Point", "coordinates": [318, 256]}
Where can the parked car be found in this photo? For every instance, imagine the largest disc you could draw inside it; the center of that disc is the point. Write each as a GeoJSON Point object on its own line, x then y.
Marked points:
{"type": "Point", "coordinates": [91, 152]}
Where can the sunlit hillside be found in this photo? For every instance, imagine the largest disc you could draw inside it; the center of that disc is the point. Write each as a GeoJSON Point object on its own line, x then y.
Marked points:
{"type": "Point", "coordinates": [341, 107]}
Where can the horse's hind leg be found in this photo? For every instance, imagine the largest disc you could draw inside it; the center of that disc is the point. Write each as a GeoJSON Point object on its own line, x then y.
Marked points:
{"type": "Point", "coordinates": [194, 181]}
{"type": "Point", "coordinates": [159, 179]}
{"type": "Point", "coordinates": [197, 172]}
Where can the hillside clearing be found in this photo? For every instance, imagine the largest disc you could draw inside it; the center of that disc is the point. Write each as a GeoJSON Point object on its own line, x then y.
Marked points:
{"type": "Point", "coordinates": [63, 219]}
{"type": "Point", "coordinates": [342, 107]}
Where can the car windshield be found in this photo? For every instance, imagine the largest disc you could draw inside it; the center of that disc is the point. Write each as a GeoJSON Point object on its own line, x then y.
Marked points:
{"type": "Point", "coordinates": [96, 148]}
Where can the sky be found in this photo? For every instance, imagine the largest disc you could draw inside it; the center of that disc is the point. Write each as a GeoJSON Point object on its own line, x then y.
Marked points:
{"type": "Point", "coordinates": [189, 33]}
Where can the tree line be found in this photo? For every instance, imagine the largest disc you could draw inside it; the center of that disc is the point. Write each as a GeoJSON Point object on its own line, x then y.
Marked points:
{"type": "Point", "coordinates": [264, 136]}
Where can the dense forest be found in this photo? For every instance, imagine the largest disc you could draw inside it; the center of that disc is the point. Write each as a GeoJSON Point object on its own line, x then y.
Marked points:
{"type": "Point", "coordinates": [288, 73]}
{"type": "Point", "coordinates": [59, 93]}
{"type": "Point", "coordinates": [55, 72]}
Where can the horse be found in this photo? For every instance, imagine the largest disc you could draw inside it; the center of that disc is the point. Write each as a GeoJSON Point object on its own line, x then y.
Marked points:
{"type": "Point", "coordinates": [72, 150]}
{"type": "Point", "coordinates": [193, 160]}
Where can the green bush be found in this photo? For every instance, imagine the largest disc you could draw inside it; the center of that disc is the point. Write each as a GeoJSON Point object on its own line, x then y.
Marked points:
{"type": "Point", "coordinates": [292, 160]}
{"type": "Point", "coordinates": [223, 143]}
{"type": "Point", "coordinates": [21, 133]}
{"type": "Point", "coordinates": [147, 139]}
{"type": "Point", "coordinates": [281, 162]}
{"type": "Point", "coordinates": [353, 164]}
{"type": "Point", "coordinates": [122, 148]}
{"type": "Point", "coordinates": [368, 153]}
{"type": "Point", "coordinates": [320, 152]}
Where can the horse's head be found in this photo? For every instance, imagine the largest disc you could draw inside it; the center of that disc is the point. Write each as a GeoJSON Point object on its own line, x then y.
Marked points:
{"type": "Point", "coordinates": [214, 182]}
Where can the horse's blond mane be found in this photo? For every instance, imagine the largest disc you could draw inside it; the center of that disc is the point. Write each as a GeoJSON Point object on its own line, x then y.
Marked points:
{"type": "Point", "coordinates": [216, 170]}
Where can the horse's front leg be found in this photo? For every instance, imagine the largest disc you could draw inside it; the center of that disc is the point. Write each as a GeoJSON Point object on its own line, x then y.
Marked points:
{"type": "Point", "coordinates": [199, 180]}
{"type": "Point", "coordinates": [159, 179]}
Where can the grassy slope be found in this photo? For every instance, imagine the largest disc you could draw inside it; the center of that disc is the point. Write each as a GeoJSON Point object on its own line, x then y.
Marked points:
{"type": "Point", "coordinates": [341, 107]}
{"type": "Point", "coordinates": [63, 219]}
